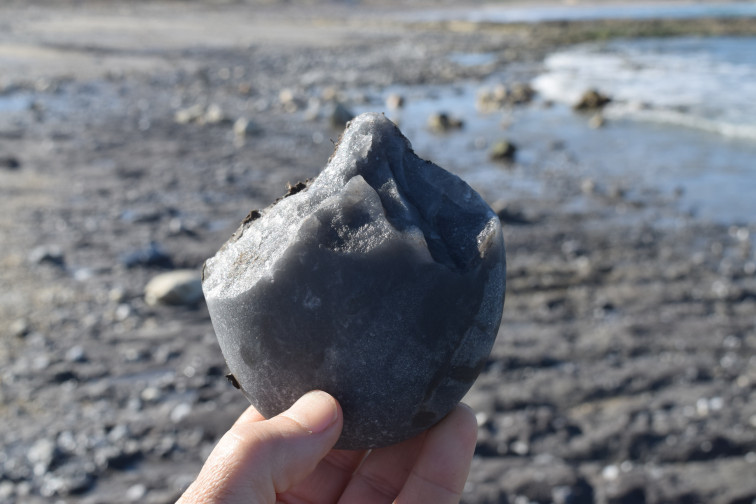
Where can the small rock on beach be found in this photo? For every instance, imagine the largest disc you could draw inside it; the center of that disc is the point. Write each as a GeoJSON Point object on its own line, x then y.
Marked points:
{"type": "Point", "coordinates": [180, 287]}
{"type": "Point", "coordinates": [444, 123]}
{"type": "Point", "coordinates": [592, 100]}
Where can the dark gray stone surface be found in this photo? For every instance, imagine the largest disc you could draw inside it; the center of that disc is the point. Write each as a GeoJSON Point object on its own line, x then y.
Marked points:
{"type": "Point", "coordinates": [382, 282]}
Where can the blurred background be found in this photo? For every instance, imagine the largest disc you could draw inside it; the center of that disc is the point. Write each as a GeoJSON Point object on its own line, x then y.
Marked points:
{"type": "Point", "coordinates": [615, 140]}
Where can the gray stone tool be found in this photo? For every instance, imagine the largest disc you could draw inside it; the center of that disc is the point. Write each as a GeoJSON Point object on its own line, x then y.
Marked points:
{"type": "Point", "coordinates": [381, 282]}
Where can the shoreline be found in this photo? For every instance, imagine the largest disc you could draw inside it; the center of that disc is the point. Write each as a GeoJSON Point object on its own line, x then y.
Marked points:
{"type": "Point", "coordinates": [50, 45]}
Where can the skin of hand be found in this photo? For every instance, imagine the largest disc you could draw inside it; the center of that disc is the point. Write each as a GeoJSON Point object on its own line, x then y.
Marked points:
{"type": "Point", "coordinates": [289, 459]}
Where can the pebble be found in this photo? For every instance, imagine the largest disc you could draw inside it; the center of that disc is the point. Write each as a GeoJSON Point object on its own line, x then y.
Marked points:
{"type": "Point", "coordinates": [442, 122]}
{"type": "Point", "coordinates": [592, 99]}
{"type": "Point", "coordinates": [180, 412]}
{"type": "Point", "coordinates": [23, 489]}
{"type": "Point", "coordinates": [71, 479]}
{"type": "Point", "coordinates": [122, 312]}
{"type": "Point", "coordinates": [493, 99]}
{"type": "Point", "coordinates": [49, 254]}
{"type": "Point", "coordinates": [117, 294]}
{"type": "Point", "coordinates": [141, 215]}
{"type": "Point", "coordinates": [330, 93]}
{"type": "Point", "coordinates": [520, 448]}
{"type": "Point", "coordinates": [521, 93]}
{"type": "Point", "coordinates": [7, 490]}
{"type": "Point", "coordinates": [42, 454]}
{"type": "Point", "coordinates": [244, 128]}
{"type": "Point", "coordinates": [616, 192]}
{"type": "Point", "coordinates": [508, 214]}
{"type": "Point", "coordinates": [340, 116]}
{"type": "Point", "coordinates": [395, 101]}
{"type": "Point", "coordinates": [120, 432]}
{"type": "Point", "coordinates": [76, 354]}
{"type": "Point", "coordinates": [180, 287]}
{"type": "Point", "coordinates": [503, 150]}
{"type": "Point", "coordinates": [190, 114]}
{"type": "Point", "coordinates": [215, 115]}
{"type": "Point", "coordinates": [20, 328]}
{"type": "Point", "coordinates": [313, 110]}
{"type": "Point", "coordinates": [290, 102]}
{"type": "Point", "coordinates": [150, 394]}
{"type": "Point", "coordinates": [610, 472]}
{"type": "Point", "coordinates": [67, 442]}
{"type": "Point", "coordinates": [136, 492]}
{"type": "Point", "coordinates": [165, 446]}
{"type": "Point", "coordinates": [588, 186]}
{"type": "Point", "coordinates": [152, 255]}
{"type": "Point", "coordinates": [10, 163]}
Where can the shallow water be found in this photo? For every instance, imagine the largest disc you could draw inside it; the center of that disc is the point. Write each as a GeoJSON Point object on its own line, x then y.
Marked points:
{"type": "Point", "coordinates": [14, 102]}
{"type": "Point", "coordinates": [465, 151]}
{"type": "Point", "coordinates": [711, 176]}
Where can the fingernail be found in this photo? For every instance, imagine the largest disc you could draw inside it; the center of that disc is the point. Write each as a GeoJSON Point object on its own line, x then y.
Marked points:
{"type": "Point", "coordinates": [315, 411]}
{"type": "Point", "coordinates": [468, 408]}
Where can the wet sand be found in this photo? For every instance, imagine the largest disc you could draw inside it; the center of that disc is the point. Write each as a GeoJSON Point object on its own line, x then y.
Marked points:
{"type": "Point", "coordinates": [624, 371]}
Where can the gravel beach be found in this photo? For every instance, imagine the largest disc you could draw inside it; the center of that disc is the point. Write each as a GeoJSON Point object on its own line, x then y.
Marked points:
{"type": "Point", "coordinates": [133, 140]}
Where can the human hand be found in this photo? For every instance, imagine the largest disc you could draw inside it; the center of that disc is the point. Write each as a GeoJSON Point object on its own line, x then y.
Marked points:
{"type": "Point", "coordinates": [289, 459]}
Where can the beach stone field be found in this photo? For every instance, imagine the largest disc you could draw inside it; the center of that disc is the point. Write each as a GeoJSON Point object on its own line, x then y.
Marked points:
{"type": "Point", "coordinates": [135, 138]}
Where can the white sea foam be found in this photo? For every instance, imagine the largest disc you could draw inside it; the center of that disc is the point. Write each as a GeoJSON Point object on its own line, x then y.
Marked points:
{"type": "Point", "coordinates": [706, 84]}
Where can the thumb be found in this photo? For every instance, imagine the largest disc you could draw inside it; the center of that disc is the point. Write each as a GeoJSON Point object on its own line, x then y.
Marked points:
{"type": "Point", "coordinates": [259, 458]}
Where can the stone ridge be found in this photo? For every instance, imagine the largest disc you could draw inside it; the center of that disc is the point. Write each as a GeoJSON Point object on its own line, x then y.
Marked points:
{"type": "Point", "coordinates": [414, 194]}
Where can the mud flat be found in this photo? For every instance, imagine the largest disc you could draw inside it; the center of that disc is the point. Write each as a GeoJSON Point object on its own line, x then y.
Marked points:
{"type": "Point", "coordinates": [624, 370]}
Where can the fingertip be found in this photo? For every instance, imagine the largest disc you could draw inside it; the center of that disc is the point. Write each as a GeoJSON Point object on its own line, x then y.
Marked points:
{"type": "Point", "coordinates": [316, 411]}
{"type": "Point", "coordinates": [462, 424]}
{"type": "Point", "coordinates": [467, 418]}
{"type": "Point", "coordinates": [466, 407]}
